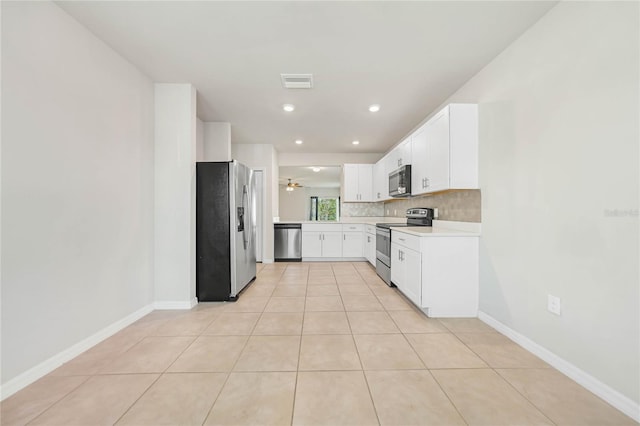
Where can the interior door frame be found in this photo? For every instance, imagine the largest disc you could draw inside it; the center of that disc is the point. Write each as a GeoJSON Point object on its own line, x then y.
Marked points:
{"type": "Point", "coordinates": [262, 220]}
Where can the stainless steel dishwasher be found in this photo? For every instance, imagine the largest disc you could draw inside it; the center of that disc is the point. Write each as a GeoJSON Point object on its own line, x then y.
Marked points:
{"type": "Point", "coordinates": [288, 242]}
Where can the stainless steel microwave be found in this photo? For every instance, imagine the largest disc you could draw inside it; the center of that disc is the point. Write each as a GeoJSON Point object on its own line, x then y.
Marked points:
{"type": "Point", "coordinates": [400, 182]}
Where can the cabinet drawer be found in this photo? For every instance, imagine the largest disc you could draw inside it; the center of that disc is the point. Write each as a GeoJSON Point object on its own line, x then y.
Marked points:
{"type": "Point", "coordinates": [352, 227]}
{"type": "Point", "coordinates": [409, 241]}
{"type": "Point", "coordinates": [370, 229]}
{"type": "Point", "coordinates": [321, 227]}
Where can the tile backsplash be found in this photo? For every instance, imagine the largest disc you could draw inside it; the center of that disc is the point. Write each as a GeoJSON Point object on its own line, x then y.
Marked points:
{"type": "Point", "coordinates": [455, 205]}
{"type": "Point", "coordinates": [361, 209]}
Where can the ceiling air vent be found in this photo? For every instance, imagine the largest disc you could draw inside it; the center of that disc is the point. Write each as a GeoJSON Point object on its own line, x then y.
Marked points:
{"type": "Point", "coordinates": [297, 81]}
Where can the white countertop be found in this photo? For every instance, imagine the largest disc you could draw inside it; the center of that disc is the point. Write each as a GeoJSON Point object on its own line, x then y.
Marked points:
{"type": "Point", "coordinates": [368, 220]}
{"type": "Point", "coordinates": [443, 228]}
{"type": "Point", "coordinates": [428, 231]}
{"type": "Point", "coordinates": [440, 228]}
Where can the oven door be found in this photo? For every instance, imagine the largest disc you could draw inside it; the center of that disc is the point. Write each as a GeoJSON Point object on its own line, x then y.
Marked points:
{"type": "Point", "coordinates": [383, 245]}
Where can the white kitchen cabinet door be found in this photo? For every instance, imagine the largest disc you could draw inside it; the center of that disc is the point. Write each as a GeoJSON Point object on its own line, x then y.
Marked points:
{"type": "Point", "coordinates": [350, 182]}
{"type": "Point", "coordinates": [357, 182]}
{"type": "Point", "coordinates": [311, 244]}
{"type": "Point", "coordinates": [430, 150]}
{"type": "Point", "coordinates": [412, 262]}
{"type": "Point", "coordinates": [332, 244]}
{"type": "Point", "coordinates": [419, 161]}
{"type": "Point", "coordinates": [400, 155]}
{"type": "Point", "coordinates": [380, 180]}
{"type": "Point", "coordinates": [398, 270]}
{"type": "Point", "coordinates": [370, 248]}
{"type": "Point", "coordinates": [352, 244]}
{"type": "Point", "coordinates": [365, 182]}
{"type": "Point", "coordinates": [437, 155]}
{"type": "Point", "coordinates": [406, 272]}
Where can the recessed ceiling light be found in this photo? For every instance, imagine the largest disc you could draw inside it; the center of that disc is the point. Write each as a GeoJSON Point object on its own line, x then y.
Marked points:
{"type": "Point", "coordinates": [315, 169]}
{"type": "Point", "coordinates": [374, 108]}
{"type": "Point", "coordinates": [355, 142]}
{"type": "Point", "coordinates": [299, 142]}
{"type": "Point", "coordinates": [288, 107]}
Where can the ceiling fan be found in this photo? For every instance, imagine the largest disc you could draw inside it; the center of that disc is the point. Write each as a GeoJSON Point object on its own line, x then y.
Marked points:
{"type": "Point", "coordinates": [291, 186]}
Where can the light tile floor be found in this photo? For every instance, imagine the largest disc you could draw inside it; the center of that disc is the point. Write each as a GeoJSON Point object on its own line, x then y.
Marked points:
{"type": "Point", "coordinates": [309, 344]}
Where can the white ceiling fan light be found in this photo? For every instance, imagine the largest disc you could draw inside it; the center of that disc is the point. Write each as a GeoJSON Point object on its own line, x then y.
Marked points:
{"type": "Point", "coordinates": [288, 107]}
{"type": "Point", "coordinates": [374, 108]}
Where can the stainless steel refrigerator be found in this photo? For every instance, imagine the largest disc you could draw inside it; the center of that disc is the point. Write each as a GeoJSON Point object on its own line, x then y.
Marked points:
{"type": "Point", "coordinates": [225, 230]}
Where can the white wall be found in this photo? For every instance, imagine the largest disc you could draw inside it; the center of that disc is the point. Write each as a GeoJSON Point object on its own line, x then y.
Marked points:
{"type": "Point", "coordinates": [217, 141]}
{"type": "Point", "coordinates": [77, 186]}
{"type": "Point", "coordinates": [296, 204]}
{"type": "Point", "coordinates": [175, 156]}
{"type": "Point", "coordinates": [199, 139]}
{"type": "Point", "coordinates": [558, 152]}
{"type": "Point", "coordinates": [326, 159]}
{"type": "Point", "coordinates": [263, 156]}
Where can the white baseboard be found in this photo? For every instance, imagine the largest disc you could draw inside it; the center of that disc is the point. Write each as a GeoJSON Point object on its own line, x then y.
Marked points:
{"type": "Point", "coordinates": [604, 391]}
{"type": "Point", "coordinates": [334, 259]}
{"type": "Point", "coordinates": [47, 366]}
{"type": "Point", "coordinates": [175, 304]}
{"type": "Point", "coordinates": [267, 260]}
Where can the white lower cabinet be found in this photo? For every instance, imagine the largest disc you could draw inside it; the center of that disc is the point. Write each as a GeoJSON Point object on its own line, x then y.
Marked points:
{"type": "Point", "coordinates": [406, 272]}
{"type": "Point", "coordinates": [311, 244]}
{"type": "Point", "coordinates": [332, 244]}
{"type": "Point", "coordinates": [370, 246]}
{"type": "Point", "coordinates": [352, 244]}
{"type": "Point", "coordinates": [321, 240]}
{"type": "Point", "coordinates": [438, 273]}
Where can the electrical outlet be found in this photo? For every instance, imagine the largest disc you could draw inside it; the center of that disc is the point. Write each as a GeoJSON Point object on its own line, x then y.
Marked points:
{"type": "Point", "coordinates": [395, 212]}
{"type": "Point", "coordinates": [388, 212]}
{"type": "Point", "coordinates": [554, 304]}
{"type": "Point", "coordinates": [435, 213]}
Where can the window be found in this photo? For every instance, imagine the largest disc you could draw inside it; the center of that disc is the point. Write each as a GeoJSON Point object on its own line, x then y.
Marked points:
{"type": "Point", "coordinates": [324, 208]}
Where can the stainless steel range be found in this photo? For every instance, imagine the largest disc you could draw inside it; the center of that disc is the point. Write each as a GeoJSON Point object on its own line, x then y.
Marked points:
{"type": "Point", "coordinates": [415, 217]}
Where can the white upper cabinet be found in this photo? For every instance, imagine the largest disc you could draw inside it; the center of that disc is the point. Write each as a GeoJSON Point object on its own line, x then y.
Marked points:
{"type": "Point", "coordinates": [430, 149]}
{"type": "Point", "coordinates": [399, 156]}
{"type": "Point", "coordinates": [357, 182]}
{"type": "Point", "coordinates": [381, 179]}
{"type": "Point", "coordinates": [445, 151]}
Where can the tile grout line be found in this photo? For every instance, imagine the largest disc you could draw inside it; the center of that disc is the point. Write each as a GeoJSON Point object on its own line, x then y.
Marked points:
{"type": "Point", "coordinates": [366, 381]}
{"type": "Point", "coordinates": [455, 407]}
{"type": "Point", "coordinates": [226, 380]}
{"type": "Point", "coordinates": [489, 367]}
{"type": "Point", "coordinates": [295, 386]}
{"type": "Point", "coordinates": [88, 377]}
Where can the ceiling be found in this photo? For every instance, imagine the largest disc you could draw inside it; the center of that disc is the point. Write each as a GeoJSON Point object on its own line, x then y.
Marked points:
{"type": "Point", "coordinates": [327, 177]}
{"type": "Point", "coordinates": [406, 56]}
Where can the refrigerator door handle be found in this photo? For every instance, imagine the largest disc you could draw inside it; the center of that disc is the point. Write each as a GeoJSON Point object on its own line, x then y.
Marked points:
{"type": "Point", "coordinates": [245, 206]}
